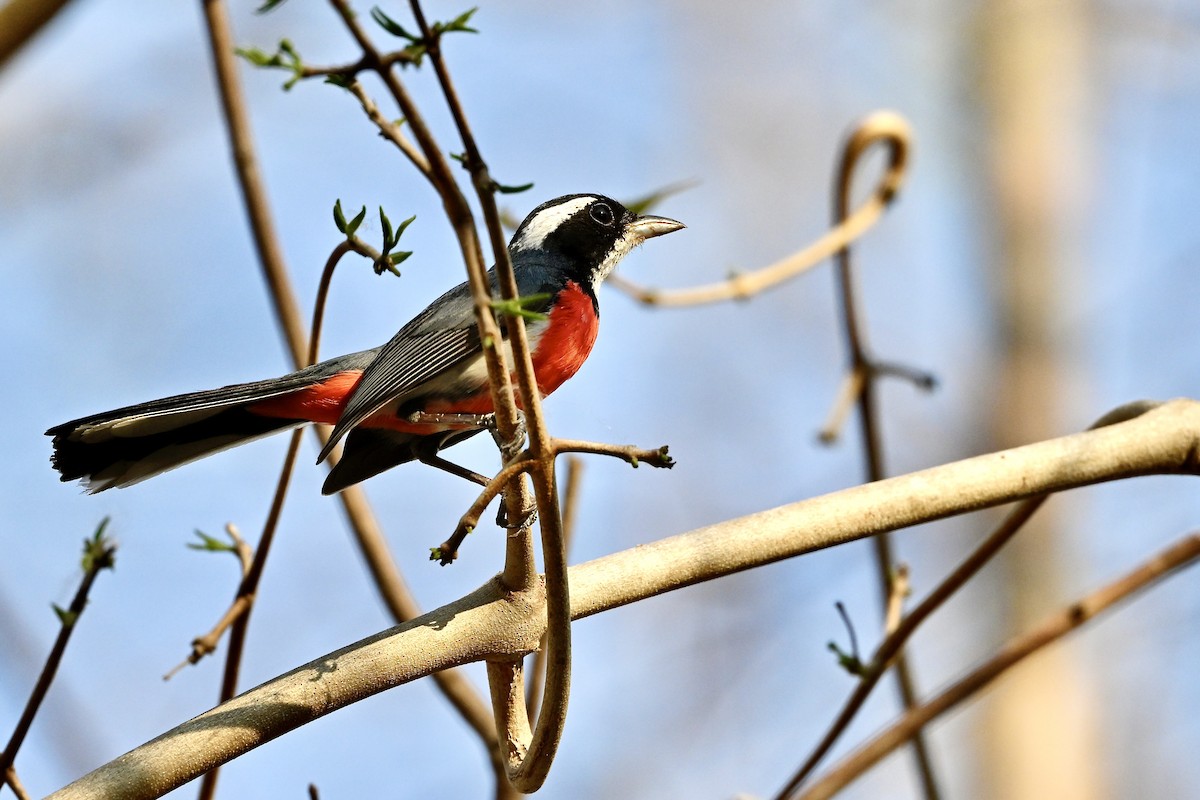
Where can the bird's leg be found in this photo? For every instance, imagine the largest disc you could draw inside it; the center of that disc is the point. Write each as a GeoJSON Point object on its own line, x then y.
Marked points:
{"type": "Point", "coordinates": [429, 455]}
{"type": "Point", "coordinates": [508, 449]}
{"type": "Point", "coordinates": [452, 420]}
{"type": "Point", "coordinates": [434, 460]}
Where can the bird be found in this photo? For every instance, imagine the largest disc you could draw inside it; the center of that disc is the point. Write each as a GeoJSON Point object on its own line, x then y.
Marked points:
{"type": "Point", "coordinates": [423, 391]}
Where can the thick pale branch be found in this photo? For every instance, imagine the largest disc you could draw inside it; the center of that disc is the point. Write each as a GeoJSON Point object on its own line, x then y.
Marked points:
{"type": "Point", "coordinates": [494, 624]}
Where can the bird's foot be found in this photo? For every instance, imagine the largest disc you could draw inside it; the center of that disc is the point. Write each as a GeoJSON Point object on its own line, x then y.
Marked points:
{"type": "Point", "coordinates": [510, 448]}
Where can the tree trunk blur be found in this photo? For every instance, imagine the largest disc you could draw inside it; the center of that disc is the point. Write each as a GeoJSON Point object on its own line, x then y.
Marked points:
{"type": "Point", "coordinates": [1038, 731]}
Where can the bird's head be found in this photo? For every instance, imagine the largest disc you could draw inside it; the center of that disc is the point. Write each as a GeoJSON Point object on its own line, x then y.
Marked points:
{"type": "Point", "coordinates": [591, 233]}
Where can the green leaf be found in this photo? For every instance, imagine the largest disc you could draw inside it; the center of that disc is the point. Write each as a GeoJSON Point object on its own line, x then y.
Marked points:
{"type": "Point", "coordinates": [98, 551]}
{"type": "Point", "coordinates": [269, 5]}
{"type": "Point", "coordinates": [341, 81]}
{"type": "Point", "coordinates": [286, 57]}
{"type": "Point", "coordinates": [404, 226]}
{"type": "Point", "coordinates": [386, 224]}
{"type": "Point", "coordinates": [354, 223]}
{"type": "Point", "coordinates": [415, 53]}
{"type": "Point", "coordinates": [339, 218]}
{"type": "Point", "coordinates": [847, 661]}
{"type": "Point", "coordinates": [390, 25]}
{"type": "Point", "coordinates": [211, 544]}
{"type": "Point", "coordinates": [459, 157]}
{"type": "Point", "coordinates": [502, 189]}
{"type": "Point", "coordinates": [398, 257]}
{"type": "Point", "coordinates": [456, 25]}
{"type": "Point", "coordinates": [257, 57]}
{"type": "Point", "coordinates": [523, 306]}
{"type": "Point", "coordinates": [65, 616]}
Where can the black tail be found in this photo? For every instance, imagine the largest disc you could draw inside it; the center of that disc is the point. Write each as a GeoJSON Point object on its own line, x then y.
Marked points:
{"type": "Point", "coordinates": [127, 445]}
{"type": "Point", "coordinates": [125, 460]}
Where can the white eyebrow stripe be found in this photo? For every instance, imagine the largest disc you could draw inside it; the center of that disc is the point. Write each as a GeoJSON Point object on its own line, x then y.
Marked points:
{"type": "Point", "coordinates": [547, 221]}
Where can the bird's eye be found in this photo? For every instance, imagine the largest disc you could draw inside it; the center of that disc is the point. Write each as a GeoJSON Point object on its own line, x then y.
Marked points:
{"type": "Point", "coordinates": [602, 213]}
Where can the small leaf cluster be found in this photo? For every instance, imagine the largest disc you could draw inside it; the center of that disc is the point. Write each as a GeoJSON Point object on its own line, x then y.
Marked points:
{"type": "Point", "coordinates": [211, 544]}
{"type": "Point", "coordinates": [390, 258]}
{"type": "Point", "coordinates": [99, 553]}
{"type": "Point", "coordinates": [418, 46]}
{"type": "Point", "coordinates": [285, 58]}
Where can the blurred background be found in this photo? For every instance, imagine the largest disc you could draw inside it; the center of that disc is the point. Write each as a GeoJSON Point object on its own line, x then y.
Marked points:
{"type": "Point", "coordinates": [1041, 261]}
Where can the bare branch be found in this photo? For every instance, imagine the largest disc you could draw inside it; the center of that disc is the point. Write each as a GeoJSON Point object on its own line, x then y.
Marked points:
{"type": "Point", "coordinates": [1180, 554]}
{"type": "Point", "coordinates": [20, 20]}
{"type": "Point", "coordinates": [99, 553]}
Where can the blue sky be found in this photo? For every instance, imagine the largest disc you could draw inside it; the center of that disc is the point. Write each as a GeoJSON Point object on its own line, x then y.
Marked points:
{"type": "Point", "coordinates": [128, 274]}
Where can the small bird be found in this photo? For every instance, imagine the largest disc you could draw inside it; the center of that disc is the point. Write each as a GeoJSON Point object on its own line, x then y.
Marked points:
{"type": "Point", "coordinates": [421, 392]}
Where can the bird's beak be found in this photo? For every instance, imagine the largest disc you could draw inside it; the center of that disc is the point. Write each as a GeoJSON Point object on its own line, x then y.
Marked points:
{"type": "Point", "coordinates": [647, 227]}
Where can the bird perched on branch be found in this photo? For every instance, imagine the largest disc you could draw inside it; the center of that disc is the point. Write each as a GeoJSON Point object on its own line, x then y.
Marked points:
{"type": "Point", "coordinates": [421, 392]}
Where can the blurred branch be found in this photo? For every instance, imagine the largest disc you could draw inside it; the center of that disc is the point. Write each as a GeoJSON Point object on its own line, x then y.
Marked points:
{"type": "Point", "coordinates": [495, 623]}
{"type": "Point", "coordinates": [15, 784]}
{"type": "Point", "coordinates": [1180, 554]}
{"type": "Point", "coordinates": [860, 389]}
{"type": "Point", "coordinates": [254, 193]}
{"type": "Point", "coordinates": [20, 20]}
{"type": "Point", "coordinates": [99, 553]}
{"type": "Point", "coordinates": [882, 127]}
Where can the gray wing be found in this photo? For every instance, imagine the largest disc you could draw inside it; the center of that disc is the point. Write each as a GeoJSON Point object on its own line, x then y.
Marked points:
{"type": "Point", "coordinates": [437, 339]}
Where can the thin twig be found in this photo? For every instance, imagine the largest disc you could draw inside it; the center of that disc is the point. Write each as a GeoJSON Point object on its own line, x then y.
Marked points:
{"type": "Point", "coordinates": [390, 130]}
{"type": "Point", "coordinates": [1182, 553]}
{"type": "Point", "coordinates": [243, 605]}
{"type": "Point", "coordinates": [447, 551]}
{"type": "Point", "coordinates": [901, 589]}
{"type": "Point", "coordinates": [99, 553]}
{"type": "Point", "coordinates": [518, 572]}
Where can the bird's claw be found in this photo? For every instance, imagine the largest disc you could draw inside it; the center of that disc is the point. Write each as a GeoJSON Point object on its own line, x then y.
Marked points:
{"type": "Point", "coordinates": [510, 448]}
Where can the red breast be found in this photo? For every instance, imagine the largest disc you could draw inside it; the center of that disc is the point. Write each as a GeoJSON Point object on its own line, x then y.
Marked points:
{"type": "Point", "coordinates": [559, 350]}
